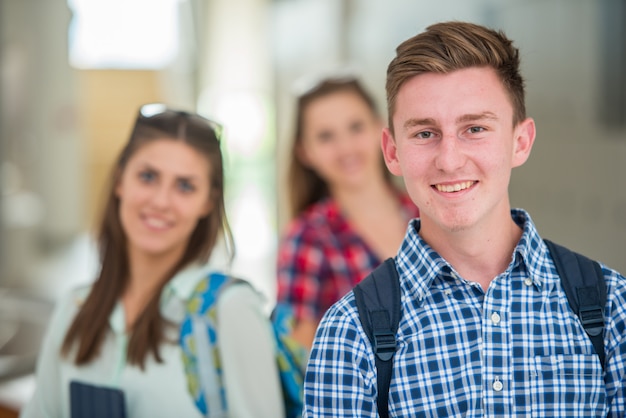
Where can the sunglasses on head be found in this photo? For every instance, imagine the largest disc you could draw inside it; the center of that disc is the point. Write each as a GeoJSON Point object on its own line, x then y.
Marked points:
{"type": "Point", "coordinates": [162, 117]}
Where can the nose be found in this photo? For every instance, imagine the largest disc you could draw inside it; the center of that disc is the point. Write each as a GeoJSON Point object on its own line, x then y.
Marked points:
{"type": "Point", "coordinates": [161, 198]}
{"type": "Point", "coordinates": [450, 156]}
{"type": "Point", "coordinates": [345, 142]}
{"type": "Point", "coordinates": [348, 142]}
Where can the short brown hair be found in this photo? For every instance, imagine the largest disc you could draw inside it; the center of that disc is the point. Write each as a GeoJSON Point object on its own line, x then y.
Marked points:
{"type": "Point", "coordinates": [449, 46]}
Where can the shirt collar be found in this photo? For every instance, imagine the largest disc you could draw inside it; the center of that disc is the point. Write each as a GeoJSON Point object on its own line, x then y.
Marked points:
{"type": "Point", "coordinates": [178, 290]}
{"type": "Point", "coordinates": [184, 282]}
{"type": "Point", "coordinates": [418, 264]}
{"type": "Point", "coordinates": [532, 252]}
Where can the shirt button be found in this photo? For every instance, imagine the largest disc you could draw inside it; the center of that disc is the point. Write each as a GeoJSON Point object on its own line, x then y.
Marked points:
{"type": "Point", "coordinates": [495, 318]}
{"type": "Point", "coordinates": [497, 385]}
{"type": "Point", "coordinates": [528, 281]}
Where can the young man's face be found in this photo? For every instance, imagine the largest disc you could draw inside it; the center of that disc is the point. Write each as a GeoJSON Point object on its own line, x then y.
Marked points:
{"type": "Point", "coordinates": [455, 146]}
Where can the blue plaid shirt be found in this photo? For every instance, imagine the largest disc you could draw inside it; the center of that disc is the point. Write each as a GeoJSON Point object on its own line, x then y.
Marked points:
{"type": "Point", "coordinates": [515, 350]}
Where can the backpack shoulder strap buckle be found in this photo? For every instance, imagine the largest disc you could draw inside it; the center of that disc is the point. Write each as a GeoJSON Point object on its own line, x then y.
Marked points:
{"type": "Point", "coordinates": [384, 343]}
{"type": "Point", "coordinates": [592, 318]}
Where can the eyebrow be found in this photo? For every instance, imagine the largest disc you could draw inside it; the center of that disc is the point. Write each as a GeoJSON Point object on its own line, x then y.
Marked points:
{"type": "Point", "coordinates": [410, 123]}
{"type": "Point", "coordinates": [189, 177]}
{"type": "Point", "coordinates": [477, 116]}
{"type": "Point", "coordinates": [471, 117]}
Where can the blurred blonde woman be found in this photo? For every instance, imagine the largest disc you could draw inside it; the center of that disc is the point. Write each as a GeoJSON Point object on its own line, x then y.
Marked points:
{"type": "Point", "coordinates": [347, 216]}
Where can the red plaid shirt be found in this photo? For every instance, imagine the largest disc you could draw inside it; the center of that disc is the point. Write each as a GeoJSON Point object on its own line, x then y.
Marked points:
{"type": "Point", "coordinates": [321, 258]}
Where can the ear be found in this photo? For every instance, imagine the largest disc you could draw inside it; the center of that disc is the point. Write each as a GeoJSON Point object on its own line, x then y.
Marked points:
{"type": "Point", "coordinates": [390, 152]}
{"type": "Point", "coordinates": [524, 138]}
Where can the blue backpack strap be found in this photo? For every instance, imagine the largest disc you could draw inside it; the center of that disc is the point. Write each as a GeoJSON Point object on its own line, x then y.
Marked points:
{"type": "Point", "coordinates": [199, 346]}
{"type": "Point", "coordinates": [378, 302]}
{"type": "Point", "coordinates": [584, 284]}
{"type": "Point", "coordinates": [291, 359]}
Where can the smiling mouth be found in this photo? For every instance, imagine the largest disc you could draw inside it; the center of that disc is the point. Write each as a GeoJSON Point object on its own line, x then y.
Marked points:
{"type": "Point", "coordinates": [453, 188]}
{"type": "Point", "coordinates": [156, 223]}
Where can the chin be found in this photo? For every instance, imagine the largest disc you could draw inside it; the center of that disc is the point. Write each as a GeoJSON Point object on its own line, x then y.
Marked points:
{"type": "Point", "coordinates": [152, 252]}
{"type": "Point", "coordinates": [458, 227]}
{"type": "Point", "coordinates": [455, 222]}
{"type": "Point", "coordinates": [153, 249]}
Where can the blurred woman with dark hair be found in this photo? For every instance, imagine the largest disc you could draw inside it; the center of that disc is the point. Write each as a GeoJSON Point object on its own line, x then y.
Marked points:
{"type": "Point", "coordinates": [119, 336]}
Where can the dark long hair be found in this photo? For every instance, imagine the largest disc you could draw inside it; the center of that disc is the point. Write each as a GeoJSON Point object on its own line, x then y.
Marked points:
{"type": "Point", "coordinates": [90, 325]}
{"type": "Point", "coordinates": [304, 185]}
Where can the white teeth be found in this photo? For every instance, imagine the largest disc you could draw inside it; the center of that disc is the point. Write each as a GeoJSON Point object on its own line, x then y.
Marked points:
{"type": "Point", "coordinates": [156, 223]}
{"type": "Point", "coordinates": [449, 188]}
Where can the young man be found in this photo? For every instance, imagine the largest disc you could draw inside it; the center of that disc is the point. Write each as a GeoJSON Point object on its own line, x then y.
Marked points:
{"type": "Point", "coordinates": [486, 328]}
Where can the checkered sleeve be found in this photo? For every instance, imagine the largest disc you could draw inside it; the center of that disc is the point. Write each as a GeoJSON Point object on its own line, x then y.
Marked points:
{"type": "Point", "coordinates": [340, 379]}
{"type": "Point", "coordinates": [615, 377]}
{"type": "Point", "coordinates": [300, 262]}
{"type": "Point", "coordinates": [617, 408]}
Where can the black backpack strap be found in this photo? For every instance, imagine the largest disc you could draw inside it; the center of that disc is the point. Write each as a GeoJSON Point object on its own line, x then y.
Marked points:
{"type": "Point", "coordinates": [378, 302]}
{"type": "Point", "coordinates": [584, 284]}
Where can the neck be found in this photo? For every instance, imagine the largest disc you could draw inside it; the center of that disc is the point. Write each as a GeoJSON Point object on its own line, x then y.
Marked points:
{"type": "Point", "coordinates": [147, 271]}
{"type": "Point", "coordinates": [375, 214]}
{"type": "Point", "coordinates": [146, 275]}
{"type": "Point", "coordinates": [478, 253]}
{"type": "Point", "coordinates": [367, 197]}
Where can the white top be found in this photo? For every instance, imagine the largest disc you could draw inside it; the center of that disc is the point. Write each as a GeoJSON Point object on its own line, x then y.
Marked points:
{"type": "Point", "coordinates": [247, 348]}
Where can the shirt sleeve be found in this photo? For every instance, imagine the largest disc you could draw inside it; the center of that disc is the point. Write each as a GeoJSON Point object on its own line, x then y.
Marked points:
{"type": "Point", "coordinates": [299, 271]}
{"type": "Point", "coordinates": [340, 379]}
{"type": "Point", "coordinates": [48, 396]}
{"type": "Point", "coordinates": [247, 350]}
{"type": "Point", "coordinates": [615, 376]}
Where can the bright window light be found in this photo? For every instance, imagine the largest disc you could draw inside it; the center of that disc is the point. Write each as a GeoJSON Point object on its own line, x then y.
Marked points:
{"type": "Point", "coordinates": [123, 34]}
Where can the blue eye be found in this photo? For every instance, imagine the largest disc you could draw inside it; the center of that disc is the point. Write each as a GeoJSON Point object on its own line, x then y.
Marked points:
{"type": "Point", "coordinates": [185, 186]}
{"type": "Point", "coordinates": [147, 176]}
{"type": "Point", "coordinates": [425, 135]}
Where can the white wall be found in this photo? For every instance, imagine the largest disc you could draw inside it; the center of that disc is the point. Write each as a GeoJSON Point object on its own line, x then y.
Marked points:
{"type": "Point", "coordinates": [573, 183]}
{"type": "Point", "coordinates": [41, 148]}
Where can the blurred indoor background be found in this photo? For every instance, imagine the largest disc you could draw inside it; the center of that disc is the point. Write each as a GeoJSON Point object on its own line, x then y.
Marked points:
{"type": "Point", "coordinates": [73, 73]}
